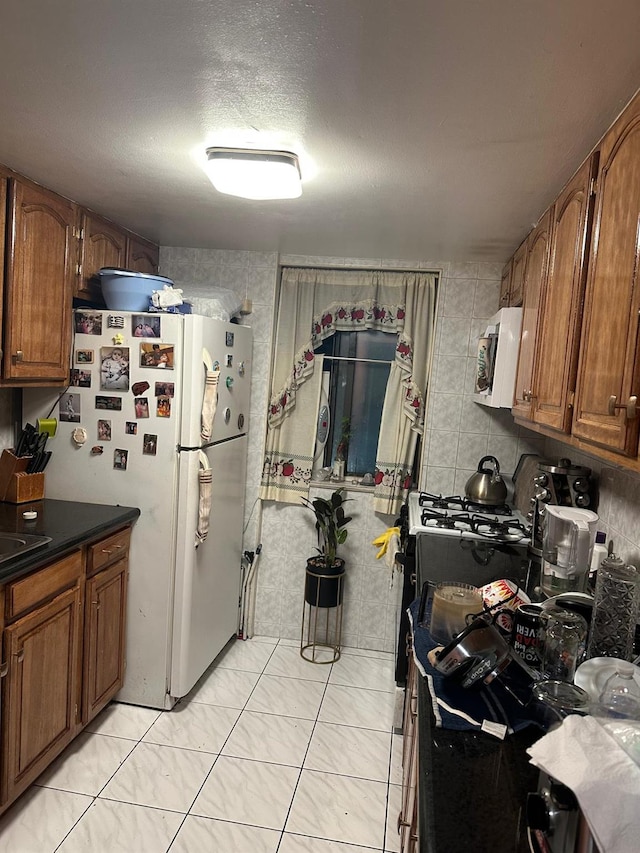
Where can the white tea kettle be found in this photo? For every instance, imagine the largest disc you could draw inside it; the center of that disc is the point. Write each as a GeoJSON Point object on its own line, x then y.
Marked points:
{"type": "Point", "coordinates": [567, 545]}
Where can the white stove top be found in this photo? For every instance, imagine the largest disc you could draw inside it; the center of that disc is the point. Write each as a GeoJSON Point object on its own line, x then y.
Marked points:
{"type": "Point", "coordinates": [458, 518]}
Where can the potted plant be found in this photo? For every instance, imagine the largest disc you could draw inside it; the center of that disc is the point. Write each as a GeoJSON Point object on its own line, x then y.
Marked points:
{"type": "Point", "coordinates": [323, 586]}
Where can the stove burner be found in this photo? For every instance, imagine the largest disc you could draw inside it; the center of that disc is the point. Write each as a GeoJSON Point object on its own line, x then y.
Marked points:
{"type": "Point", "coordinates": [457, 502]}
{"type": "Point", "coordinates": [500, 530]}
{"type": "Point", "coordinates": [446, 521]}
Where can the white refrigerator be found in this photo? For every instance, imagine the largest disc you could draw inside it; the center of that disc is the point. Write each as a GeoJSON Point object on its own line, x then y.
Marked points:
{"type": "Point", "coordinates": [130, 432]}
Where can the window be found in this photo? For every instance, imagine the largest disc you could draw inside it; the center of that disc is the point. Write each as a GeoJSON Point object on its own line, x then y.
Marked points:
{"type": "Point", "coordinates": [356, 369]}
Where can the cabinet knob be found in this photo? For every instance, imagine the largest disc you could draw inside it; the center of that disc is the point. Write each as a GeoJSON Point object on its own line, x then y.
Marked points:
{"type": "Point", "coordinates": [4, 668]}
{"type": "Point", "coordinates": [19, 655]}
{"type": "Point", "coordinates": [631, 407]}
{"type": "Point", "coordinates": [19, 356]}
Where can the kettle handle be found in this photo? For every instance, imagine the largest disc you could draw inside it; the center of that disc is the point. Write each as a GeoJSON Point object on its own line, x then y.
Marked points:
{"type": "Point", "coordinates": [488, 459]}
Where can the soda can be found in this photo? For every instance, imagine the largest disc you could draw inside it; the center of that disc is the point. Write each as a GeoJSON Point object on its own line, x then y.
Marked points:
{"type": "Point", "coordinates": [526, 634]}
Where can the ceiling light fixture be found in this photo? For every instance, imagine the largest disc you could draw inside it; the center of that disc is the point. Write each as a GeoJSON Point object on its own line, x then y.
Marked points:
{"type": "Point", "coordinates": [254, 174]}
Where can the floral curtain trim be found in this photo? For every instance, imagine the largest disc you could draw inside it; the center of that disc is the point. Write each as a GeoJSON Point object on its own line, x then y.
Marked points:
{"type": "Point", "coordinates": [341, 317]}
{"type": "Point", "coordinates": [392, 480]}
{"type": "Point", "coordinates": [413, 402]}
{"type": "Point", "coordinates": [289, 472]}
{"type": "Point", "coordinates": [359, 315]}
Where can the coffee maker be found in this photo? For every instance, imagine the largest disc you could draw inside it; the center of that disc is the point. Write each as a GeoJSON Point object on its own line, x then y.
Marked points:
{"type": "Point", "coordinates": [559, 484]}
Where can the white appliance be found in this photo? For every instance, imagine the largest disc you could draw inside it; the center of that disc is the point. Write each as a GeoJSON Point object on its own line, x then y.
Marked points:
{"type": "Point", "coordinates": [498, 359]}
{"type": "Point", "coordinates": [183, 600]}
{"type": "Point", "coordinates": [457, 517]}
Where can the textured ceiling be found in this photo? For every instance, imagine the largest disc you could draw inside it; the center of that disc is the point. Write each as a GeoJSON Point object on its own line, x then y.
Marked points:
{"type": "Point", "coordinates": [426, 129]}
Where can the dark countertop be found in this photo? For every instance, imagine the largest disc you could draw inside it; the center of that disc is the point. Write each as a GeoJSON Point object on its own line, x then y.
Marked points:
{"type": "Point", "coordinates": [472, 787]}
{"type": "Point", "coordinates": [67, 523]}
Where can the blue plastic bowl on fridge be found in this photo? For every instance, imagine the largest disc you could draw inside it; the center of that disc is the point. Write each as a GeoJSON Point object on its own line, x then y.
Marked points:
{"type": "Point", "coordinates": [127, 290]}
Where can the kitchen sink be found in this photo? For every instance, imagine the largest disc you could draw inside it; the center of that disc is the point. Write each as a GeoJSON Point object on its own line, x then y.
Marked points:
{"type": "Point", "coordinates": [16, 544]}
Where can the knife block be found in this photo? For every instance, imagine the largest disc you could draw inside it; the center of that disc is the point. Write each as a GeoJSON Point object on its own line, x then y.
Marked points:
{"type": "Point", "coordinates": [16, 486]}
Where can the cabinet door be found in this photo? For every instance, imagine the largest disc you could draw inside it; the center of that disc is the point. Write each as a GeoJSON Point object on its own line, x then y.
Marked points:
{"type": "Point", "coordinates": [102, 245]}
{"type": "Point", "coordinates": [534, 282]}
{"type": "Point", "coordinates": [505, 286]}
{"type": "Point", "coordinates": [105, 613]}
{"type": "Point", "coordinates": [407, 819]}
{"type": "Point", "coordinates": [39, 284]}
{"type": "Point", "coordinates": [142, 256]}
{"type": "Point", "coordinates": [556, 358]}
{"type": "Point", "coordinates": [518, 263]}
{"type": "Point", "coordinates": [608, 373]}
{"type": "Point", "coordinates": [40, 701]}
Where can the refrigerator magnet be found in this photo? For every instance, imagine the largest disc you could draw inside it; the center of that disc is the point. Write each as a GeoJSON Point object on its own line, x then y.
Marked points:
{"type": "Point", "coordinates": [69, 408]}
{"type": "Point", "coordinates": [131, 428]}
{"type": "Point", "coordinates": [149, 444]}
{"type": "Point", "coordinates": [156, 355]}
{"type": "Point", "coordinates": [114, 368]}
{"type": "Point", "coordinates": [164, 407]}
{"type": "Point", "coordinates": [120, 459]}
{"type": "Point", "coordinates": [79, 378]}
{"type": "Point", "coordinates": [84, 356]}
{"type": "Point", "coordinates": [114, 404]}
{"type": "Point", "coordinates": [139, 388]}
{"type": "Point", "coordinates": [142, 407]}
{"type": "Point", "coordinates": [115, 321]}
{"type": "Point", "coordinates": [143, 326]}
{"type": "Point", "coordinates": [164, 389]}
{"type": "Point", "coordinates": [97, 450]}
{"type": "Point", "coordinates": [88, 323]}
{"type": "Point", "coordinates": [104, 430]}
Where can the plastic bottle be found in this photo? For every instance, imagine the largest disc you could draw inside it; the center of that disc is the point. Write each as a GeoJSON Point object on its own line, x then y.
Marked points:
{"type": "Point", "coordinates": [599, 550]}
{"type": "Point", "coordinates": [620, 696]}
{"type": "Point", "coordinates": [615, 610]}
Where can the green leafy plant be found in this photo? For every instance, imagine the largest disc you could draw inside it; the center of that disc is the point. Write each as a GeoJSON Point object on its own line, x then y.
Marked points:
{"type": "Point", "coordinates": [331, 522]}
{"type": "Point", "coordinates": [345, 436]}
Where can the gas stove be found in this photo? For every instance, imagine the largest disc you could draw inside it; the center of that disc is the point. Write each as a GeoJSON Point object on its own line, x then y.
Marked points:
{"type": "Point", "coordinates": [453, 515]}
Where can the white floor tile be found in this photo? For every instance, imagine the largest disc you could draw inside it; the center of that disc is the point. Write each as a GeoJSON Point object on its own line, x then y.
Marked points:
{"type": "Point", "coordinates": [250, 792]}
{"type": "Point", "coordinates": [349, 751]}
{"type": "Point", "coordinates": [339, 808]}
{"type": "Point", "coordinates": [206, 834]}
{"type": "Point", "coordinates": [392, 837]}
{"type": "Point", "coordinates": [160, 776]}
{"type": "Point", "coordinates": [287, 661]}
{"type": "Point", "coordinates": [245, 655]}
{"type": "Point", "coordinates": [40, 819]}
{"type": "Point", "coordinates": [120, 720]}
{"type": "Point", "coordinates": [368, 653]}
{"type": "Point", "coordinates": [305, 844]}
{"type": "Point", "coordinates": [194, 725]}
{"type": "Point", "coordinates": [122, 828]}
{"type": "Point", "coordinates": [268, 737]}
{"type": "Point", "coordinates": [368, 709]}
{"type": "Point", "coordinates": [87, 763]}
{"type": "Point", "coordinates": [358, 671]}
{"type": "Point", "coordinates": [395, 771]}
{"type": "Point", "coordinates": [224, 687]}
{"type": "Point", "coordinates": [291, 697]}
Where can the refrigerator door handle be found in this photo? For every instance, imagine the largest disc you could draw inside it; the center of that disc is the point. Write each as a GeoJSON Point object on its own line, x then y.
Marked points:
{"type": "Point", "coordinates": [210, 397]}
{"type": "Point", "coordinates": [205, 481]}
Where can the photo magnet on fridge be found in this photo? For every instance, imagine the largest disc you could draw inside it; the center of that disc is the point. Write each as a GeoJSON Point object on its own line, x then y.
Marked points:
{"type": "Point", "coordinates": [114, 404]}
{"type": "Point", "coordinates": [156, 355]}
{"type": "Point", "coordinates": [120, 459]}
{"type": "Point", "coordinates": [88, 323]}
{"type": "Point", "coordinates": [145, 326]}
{"type": "Point", "coordinates": [142, 407]}
{"type": "Point", "coordinates": [104, 430]}
{"type": "Point", "coordinates": [79, 378]}
{"type": "Point", "coordinates": [131, 428]}
{"type": "Point", "coordinates": [149, 444]}
{"type": "Point", "coordinates": [164, 389]}
{"type": "Point", "coordinates": [69, 408]}
{"type": "Point", "coordinates": [164, 407]}
{"type": "Point", "coordinates": [84, 356]}
{"type": "Point", "coordinates": [114, 368]}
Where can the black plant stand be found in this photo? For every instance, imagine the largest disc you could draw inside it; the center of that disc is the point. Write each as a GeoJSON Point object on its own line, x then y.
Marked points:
{"type": "Point", "coordinates": [321, 636]}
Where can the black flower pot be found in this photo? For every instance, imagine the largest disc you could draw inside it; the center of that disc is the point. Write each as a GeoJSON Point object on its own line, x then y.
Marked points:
{"type": "Point", "coordinates": [323, 585]}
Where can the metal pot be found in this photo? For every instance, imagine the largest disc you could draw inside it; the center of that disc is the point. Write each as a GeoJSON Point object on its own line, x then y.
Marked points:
{"type": "Point", "coordinates": [486, 486]}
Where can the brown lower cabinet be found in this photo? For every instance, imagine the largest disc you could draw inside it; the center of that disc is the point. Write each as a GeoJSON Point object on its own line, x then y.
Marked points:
{"type": "Point", "coordinates": [408, 817]}
{"type": "Point", "coordinates": [63, 655]}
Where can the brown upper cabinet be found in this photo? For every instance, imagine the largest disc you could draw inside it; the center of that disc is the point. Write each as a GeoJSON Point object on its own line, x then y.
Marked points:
{"type": "Point", "coordinates": [102, 244]}
{"type": "Point", "coordinates": [505, 285]}
{"type": "Point", "coordinates": [142, 256]}
{"type": "Point", "coordinates": [608, 374]}
{"type": "Point", "coordinates": [40, 274]}
{"type": "Point", "coordinates": [556, 356]}
{"type": "Point", "coordinates": [535, 272]}
{"type": "Point", "coordinates": [516, 288]}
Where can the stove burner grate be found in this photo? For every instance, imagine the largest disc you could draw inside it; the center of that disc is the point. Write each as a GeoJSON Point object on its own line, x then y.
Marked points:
{"type": "Point", "coordinates": [457, 502]}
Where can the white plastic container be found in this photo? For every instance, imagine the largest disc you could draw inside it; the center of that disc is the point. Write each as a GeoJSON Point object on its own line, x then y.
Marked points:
{"type": "Point", "coordinates": [127, 290]}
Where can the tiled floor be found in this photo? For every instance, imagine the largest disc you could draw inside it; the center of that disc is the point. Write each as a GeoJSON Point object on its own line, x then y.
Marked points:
{"type": "Point", "coordinates": [268, 754]}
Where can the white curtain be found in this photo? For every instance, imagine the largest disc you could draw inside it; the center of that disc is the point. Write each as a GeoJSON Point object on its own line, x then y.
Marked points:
{"type": "Point", "coordinates": [313, 305]}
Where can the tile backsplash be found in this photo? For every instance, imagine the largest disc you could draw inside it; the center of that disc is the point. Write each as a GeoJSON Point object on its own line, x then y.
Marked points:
{"type": "Point", "coordinates": [6, 431]}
